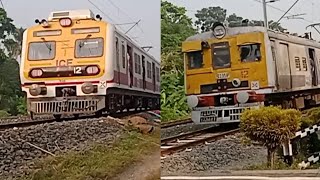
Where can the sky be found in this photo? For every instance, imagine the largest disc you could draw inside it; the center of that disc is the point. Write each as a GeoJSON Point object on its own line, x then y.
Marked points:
{"type": "Point", "coordinates": [252, 9]}
{"type": "Point", "coordinates": [24, 13]}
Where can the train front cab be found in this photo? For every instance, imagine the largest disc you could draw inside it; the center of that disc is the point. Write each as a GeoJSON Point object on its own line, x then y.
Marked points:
{"type": "Point", "coordinates": [225, 73]}
{"type": "Point", "coordinates": [63, 65]}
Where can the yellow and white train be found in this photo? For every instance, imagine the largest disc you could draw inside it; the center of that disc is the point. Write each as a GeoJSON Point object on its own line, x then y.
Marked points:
{"type": "Point", "coordinates": [230, 69]}
{"type": "Point", "coordinates": [74, 63]}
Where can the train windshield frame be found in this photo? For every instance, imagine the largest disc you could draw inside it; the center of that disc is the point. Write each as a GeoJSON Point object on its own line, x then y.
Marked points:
{"type": "Point", "coordinates": [89, 47]}
{"type": "Point", "coordinates": [195, 59]}
{"type": "Point", "coordinates": [41, 50]}
{"type": "Point", "coordinates": [221, 57]}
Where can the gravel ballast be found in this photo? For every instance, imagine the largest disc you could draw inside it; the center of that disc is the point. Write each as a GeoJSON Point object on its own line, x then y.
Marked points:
{"type": "Point", "coordinates": [17, 156]}
{"type": "Point", "coordinates": [224, 154]}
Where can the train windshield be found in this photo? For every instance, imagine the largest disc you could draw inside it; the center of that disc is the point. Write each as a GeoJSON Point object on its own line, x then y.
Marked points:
{"type": "Point", "coordinates": [89, 48]}
{"type": "Point", "coordinates": [42, 50]}
{"type": "Point", "coordinates": [250, 53]}
{"type": "Point", "coordinates": [221, 55]}
{"type": "Point", "coordinates": [195, 59]}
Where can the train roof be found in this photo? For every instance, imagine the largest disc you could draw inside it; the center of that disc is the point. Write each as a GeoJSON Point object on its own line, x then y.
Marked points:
{"type": "Point", "coordinates": [136, 45]}
{"type": "Point", "coordinates": [232, 31]}
{"type": "Point", "coordinates": [88, 14]}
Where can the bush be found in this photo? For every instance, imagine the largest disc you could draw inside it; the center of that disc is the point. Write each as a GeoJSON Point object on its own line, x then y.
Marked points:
{"type": "Point", "coordinates": [4, 114]}
{"type": "Point", "coordinates": [22, 106]}
{"type": "Point", "coordinates": [271, 126]}
{"type": "Point", "coordinates": [173, 99]}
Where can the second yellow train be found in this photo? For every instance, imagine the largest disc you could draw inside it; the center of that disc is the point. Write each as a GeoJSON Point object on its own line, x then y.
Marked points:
{"type": "Point", "coordinates": [230, 69]}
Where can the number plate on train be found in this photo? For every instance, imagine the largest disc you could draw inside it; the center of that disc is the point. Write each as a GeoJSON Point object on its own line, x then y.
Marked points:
{"type": "Point", "coordinates": [224, 75]}
{"type": "Point", "coordinates": [208, 119]}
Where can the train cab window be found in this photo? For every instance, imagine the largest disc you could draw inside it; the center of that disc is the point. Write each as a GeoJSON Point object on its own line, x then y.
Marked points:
{"type": "Point", "coordinates": [221, 55]}
{"type": "Point", "coordinates": [89, 48]}
{"type": "Point", "coordinates": [195, 59]}
{"type": "Point", "coordinates": [250, 53]}
{"type": "Point", "coordinates": [42, 50]}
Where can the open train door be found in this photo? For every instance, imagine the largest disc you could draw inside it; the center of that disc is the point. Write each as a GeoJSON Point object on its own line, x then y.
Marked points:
{"type": "Point", "coordinates": [130, 64]}
{"type": "Point", "coordinates": [154, 76]}
{"type": "Point", "coordinates": [313, 67]}
{"type": "Point", "coordinates": [117, 60]}
{"type": "Point", "coordinates": [143, 72]}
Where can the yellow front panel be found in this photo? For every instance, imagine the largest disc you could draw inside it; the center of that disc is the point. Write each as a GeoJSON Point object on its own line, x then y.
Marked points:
{"type": "Point", "coordinates": [65, 48]}
{"type": "Point", "coordinates": [245, 71]}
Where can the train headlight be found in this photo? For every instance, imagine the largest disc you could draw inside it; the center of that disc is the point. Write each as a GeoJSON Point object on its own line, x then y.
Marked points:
{"type": "Point", "coordinates": [35, 90]}
{"type": "Point", "coordinates": [92, 70]}
{"type": "Point", "coordinates": [236, 82]}
{"type": "Point", "coordinates": [242, 97]}
{"type": "Point", "coordinates": [89, 88]}
{"type": "Point", "coordinates": [219, 31]}
{"type": "Point", "coordinates": [192, 101]}
{"type": "Point", "coordinates": [34, 73]}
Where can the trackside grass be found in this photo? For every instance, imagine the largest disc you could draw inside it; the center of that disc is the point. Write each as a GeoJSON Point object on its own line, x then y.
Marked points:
{"type": "Point", "coordinates": [99, 162]}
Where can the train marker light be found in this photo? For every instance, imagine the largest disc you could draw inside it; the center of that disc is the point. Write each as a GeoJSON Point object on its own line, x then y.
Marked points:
{"type": "Point", "coordinates": [65, 22]}
{"type": "Point", "coordinates": [92, 70]}
{"type": "Point", "coordinates": [219, 31]}
{"type": "Point", "coordinates": [36, 73]}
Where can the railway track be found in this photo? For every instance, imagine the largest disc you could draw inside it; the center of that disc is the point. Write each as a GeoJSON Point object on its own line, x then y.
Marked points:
{"type": "Point", "coordinates": [183, 141]}
{"type": "Point", "coordinates": [29, 122]}
{"type": "Point", "coordinates": [176, 123]}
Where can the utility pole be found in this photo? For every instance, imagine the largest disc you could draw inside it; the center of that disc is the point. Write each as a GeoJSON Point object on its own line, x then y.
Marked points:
{"type": "Point", "coordinates": [265, 14]}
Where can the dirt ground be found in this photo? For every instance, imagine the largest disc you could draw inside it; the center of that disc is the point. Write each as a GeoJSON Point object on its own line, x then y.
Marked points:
{"type": "Point", "coordinates": [146, 169]}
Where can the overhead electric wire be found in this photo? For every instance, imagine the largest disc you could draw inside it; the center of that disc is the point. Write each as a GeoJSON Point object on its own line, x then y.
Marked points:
{"type": "Point", "coordinates": [287, 11]}
{"type": "Point", "coordinates": [273, 7]}
{"type": "Point", "coordinates": [119, 9]}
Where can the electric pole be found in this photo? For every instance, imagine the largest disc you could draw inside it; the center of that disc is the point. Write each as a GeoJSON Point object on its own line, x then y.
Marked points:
{"type": "Point", "coordinates": [265, 14]}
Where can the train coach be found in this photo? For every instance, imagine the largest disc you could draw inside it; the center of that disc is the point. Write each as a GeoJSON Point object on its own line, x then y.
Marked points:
{"type": "Point", "coordinates": [75, 63]}
{"type": "Point", "coordinates": [228, 70]}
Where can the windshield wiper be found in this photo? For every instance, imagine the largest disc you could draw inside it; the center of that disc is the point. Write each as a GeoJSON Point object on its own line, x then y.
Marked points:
{"type": "Point", "coordinates": [48, 45]}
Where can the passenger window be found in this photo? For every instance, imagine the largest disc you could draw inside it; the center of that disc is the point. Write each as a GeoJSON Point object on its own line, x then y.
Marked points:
{"type": "Point", "coordinates": [123, 54]}
{"type": "Point", "coordinates": [195, 60]}
{"type": "Point", "coordinates": [250, 53]}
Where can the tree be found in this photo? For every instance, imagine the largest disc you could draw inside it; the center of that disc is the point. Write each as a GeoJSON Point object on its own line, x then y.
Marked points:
{"type": "Point", "coordinates": [11, 38]}
{"type": "Point", "coordinates": [206, 17]}
{"type": "Point", "coordinates": [234, 20]}
{"type": "Point", "coordinates": [271, 126]}
{"type": "Point", "coordinates": [176, 26]}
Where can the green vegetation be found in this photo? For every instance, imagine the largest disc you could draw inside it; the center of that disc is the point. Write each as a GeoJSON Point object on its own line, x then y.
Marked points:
{"type": "Point", "coordinates": [270, 126]}
{"type": "Point", "coordinates": [206, 17]}
{"type": "Point", "coordinates": [100, 161]}
{"type": "Point", "coordinates": [175, 28]}
{"type": "Point", "coordinates": [11, 97]}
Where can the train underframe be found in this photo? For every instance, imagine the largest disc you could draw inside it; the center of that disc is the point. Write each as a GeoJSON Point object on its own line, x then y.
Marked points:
{"type": "Point", "coordinates": [115, 101]}
{"type": "Point", "coordinates": [303, 99]}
